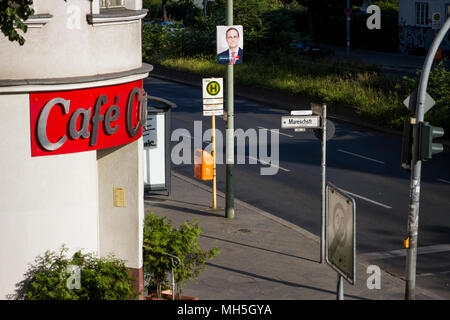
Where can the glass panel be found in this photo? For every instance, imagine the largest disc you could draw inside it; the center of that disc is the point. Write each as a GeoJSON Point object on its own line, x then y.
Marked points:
{"type": "Point", "coordinates": [417, 13]}
{"type": "Point", "coordinates": [111, 3]}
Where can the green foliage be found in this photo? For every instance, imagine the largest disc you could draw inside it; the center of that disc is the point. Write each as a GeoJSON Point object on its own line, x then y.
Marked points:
{"type": "Point", "coordinates": [161, 238]}
{"type": "Point", "coordinates": [376, 97]}
{"type": "Point", "coordinates": [105, 278]}
{"type": "Point", "coordinates": [439, 89]}
{"type": "Point", "coordinates": [12, 15]}
{"type": "Point", "coordinates": [387, 5]}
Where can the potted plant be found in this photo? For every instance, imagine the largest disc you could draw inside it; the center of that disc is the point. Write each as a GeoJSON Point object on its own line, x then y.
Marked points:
{"type": "Point", "coordinates": [164, 244]}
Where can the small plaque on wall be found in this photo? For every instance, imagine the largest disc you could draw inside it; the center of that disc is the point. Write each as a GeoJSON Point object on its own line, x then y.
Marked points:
{"type": "Point", "coordinates": [119, 197]}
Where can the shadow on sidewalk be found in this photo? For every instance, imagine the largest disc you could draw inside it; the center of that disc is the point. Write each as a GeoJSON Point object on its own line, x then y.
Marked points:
{"type": "Point", "coordinates": [259, 248]}
{"type": "Point", "coordinates": [187, 210]}
{"type": "Point", "coordinates": [287, 283]}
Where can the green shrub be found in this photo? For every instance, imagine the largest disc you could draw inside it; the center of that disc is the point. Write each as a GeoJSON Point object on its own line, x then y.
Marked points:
{"type": "Point", "coordinates": [105, 278]}
{"type": "Point", "coordinates": [161, 238]}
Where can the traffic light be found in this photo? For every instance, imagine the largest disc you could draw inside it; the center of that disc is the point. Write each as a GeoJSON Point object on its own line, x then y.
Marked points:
{"type": "Point", "coordinates": [426, 146]}
{"type": "Point", "coordinates": [407, 145]}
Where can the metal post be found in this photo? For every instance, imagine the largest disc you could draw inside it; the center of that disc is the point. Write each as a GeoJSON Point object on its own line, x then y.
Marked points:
{"type": "Point", "coordinates": [348, 30]}
{"type": "Point", "coordinates": [229, 201]}
{"type": "Point", "coordinates": [340, 288]}
{"type": "Point", "coordinates": [213, 141]}
{"type": "Point", "coordinates": [173, 280]}
{"type": "Point", "coordinates": [324, 166]}
{"type": "Point", "coordinates": [204, 8]}
{"type": "Point", "coordinates": [416, 167]}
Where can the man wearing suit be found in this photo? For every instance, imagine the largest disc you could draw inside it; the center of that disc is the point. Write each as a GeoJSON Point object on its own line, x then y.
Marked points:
{"type": "Point", "coordinates": [234, 54]}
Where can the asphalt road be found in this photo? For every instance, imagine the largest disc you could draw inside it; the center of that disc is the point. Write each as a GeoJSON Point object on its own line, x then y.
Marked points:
{"type": "Point", "coordinates": [363, 162]}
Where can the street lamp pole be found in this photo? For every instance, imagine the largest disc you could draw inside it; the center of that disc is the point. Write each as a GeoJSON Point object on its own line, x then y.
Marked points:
{"type": "Point", "coordinates": [229, 200]}
{"type": "Point", "coordinates": [416, 167]}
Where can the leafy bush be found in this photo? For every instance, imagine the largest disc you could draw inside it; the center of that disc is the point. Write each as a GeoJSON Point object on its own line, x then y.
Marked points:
{"type": "Point", "coordinates": [105, 278]}
{"type": "Point", "coordinates": [161, 238]}
{"type": "Point", "coordinates": [439, 89]}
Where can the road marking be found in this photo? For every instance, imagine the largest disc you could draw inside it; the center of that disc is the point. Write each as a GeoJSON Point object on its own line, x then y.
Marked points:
{"type": "Point", "coordinates": [369, 200]}
{"type": "Point", "coordinates": [402, 252]}
{"type": "Point", "coordinates": [360, 156]}
{"type": "Point", "coordinates": [430, 274]}
{"type": "Point", "coordinates": [267, 163]}
{"type": "Point", "coordinates": [284, 134]}
{"type": "Point", "coordinates": [445, 181]}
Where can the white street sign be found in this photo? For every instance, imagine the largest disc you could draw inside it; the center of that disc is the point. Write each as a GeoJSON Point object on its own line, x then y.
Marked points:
{"type": "Point", "coordinates": [436, 21]}
{"type": "Point", "coordinates": [212, 88]}
{"type": "Point", "coordinates": [213, 101]}
{"type": "Point", "coordinates": [301, 112]}
{"type": "Point", "coordinates": [212, 107]}
{"type": "Point", "coordinates": [292, 122]}
{"type": "Point", "coordinates": [213, 112]}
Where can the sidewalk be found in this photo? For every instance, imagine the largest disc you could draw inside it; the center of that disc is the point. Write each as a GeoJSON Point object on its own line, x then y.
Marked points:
{"type": "Point", "coordinates": [262, 257]}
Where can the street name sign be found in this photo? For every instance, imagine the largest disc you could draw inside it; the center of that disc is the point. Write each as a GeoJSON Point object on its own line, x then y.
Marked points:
{"type": "Point", "coordinates": [301, 112]}
{"type": "Point", "coordinates": [340, 223]}
{"type": "Point", "coordinates": [292, 122]}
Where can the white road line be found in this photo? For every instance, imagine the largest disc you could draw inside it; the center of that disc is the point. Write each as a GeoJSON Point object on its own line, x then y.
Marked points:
{"type": "Point", "coordinates": [443, 180]}
{"type": "Point", "coordinates": [366, 199]}
{"type": "Point", "coordinates": [430, 274]}
{"type": "Point", "coordinates": [284, 134]}
{"type": "Point", "coordinates": [402, 252]}
{"type": "Point", "coordinates": [360, 156]}
{"type": "Point", "coordinates": [267, 163]}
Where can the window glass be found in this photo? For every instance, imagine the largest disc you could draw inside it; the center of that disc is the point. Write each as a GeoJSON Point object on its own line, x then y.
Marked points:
{"type": "Point", "coordinates": [421, 13]}
{"type": "Point", "coordinates": [111, 3]}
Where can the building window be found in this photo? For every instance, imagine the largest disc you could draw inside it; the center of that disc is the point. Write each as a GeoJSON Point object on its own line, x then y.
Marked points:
{"type": "Point", "coordinates": [422, 13]}
{"type": "Point", "coordinates": [111, 3]}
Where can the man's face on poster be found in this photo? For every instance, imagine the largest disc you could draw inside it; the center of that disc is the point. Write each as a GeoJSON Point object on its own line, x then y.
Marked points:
{"type": "Point", "coordinates": [232, 37]}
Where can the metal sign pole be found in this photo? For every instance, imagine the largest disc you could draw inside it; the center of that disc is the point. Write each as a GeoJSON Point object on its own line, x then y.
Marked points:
{"type": "Point", "coordinates": [213, 141]}
{"type": "Point", "coordinates": [416, 167]}
{"type": "Point", "coordinates": [340, 288]}
{"type": "Point", "coordinates": [348, 30]}
{"type": "Point", "coordinates": [229, 200]}
{"type": "Point", "coordinates": [324, 160]}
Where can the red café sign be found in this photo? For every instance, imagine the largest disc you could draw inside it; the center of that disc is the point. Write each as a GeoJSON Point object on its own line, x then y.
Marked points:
{"type": "Point", "coordinates": [87, 119]}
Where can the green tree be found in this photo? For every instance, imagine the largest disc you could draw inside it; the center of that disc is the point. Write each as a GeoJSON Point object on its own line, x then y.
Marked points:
{"type": "Point", "coordinates": [12, 15]}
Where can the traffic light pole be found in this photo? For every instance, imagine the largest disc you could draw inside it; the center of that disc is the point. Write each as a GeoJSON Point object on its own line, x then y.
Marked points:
{"type": "Point", "coordinates": [416, 167]}
{"type": "Point", "coordinates": [229, 199]}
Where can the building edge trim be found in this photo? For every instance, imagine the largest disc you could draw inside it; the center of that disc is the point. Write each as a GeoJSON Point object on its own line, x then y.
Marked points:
{"type": "Point", "coordinates": [70, 83]}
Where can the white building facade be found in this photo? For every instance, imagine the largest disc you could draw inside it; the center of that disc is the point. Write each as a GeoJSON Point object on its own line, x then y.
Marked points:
{"type": "Point", "coordinates": [418, 22]}
{"type": "Point", "coordinates": [71, 114]}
